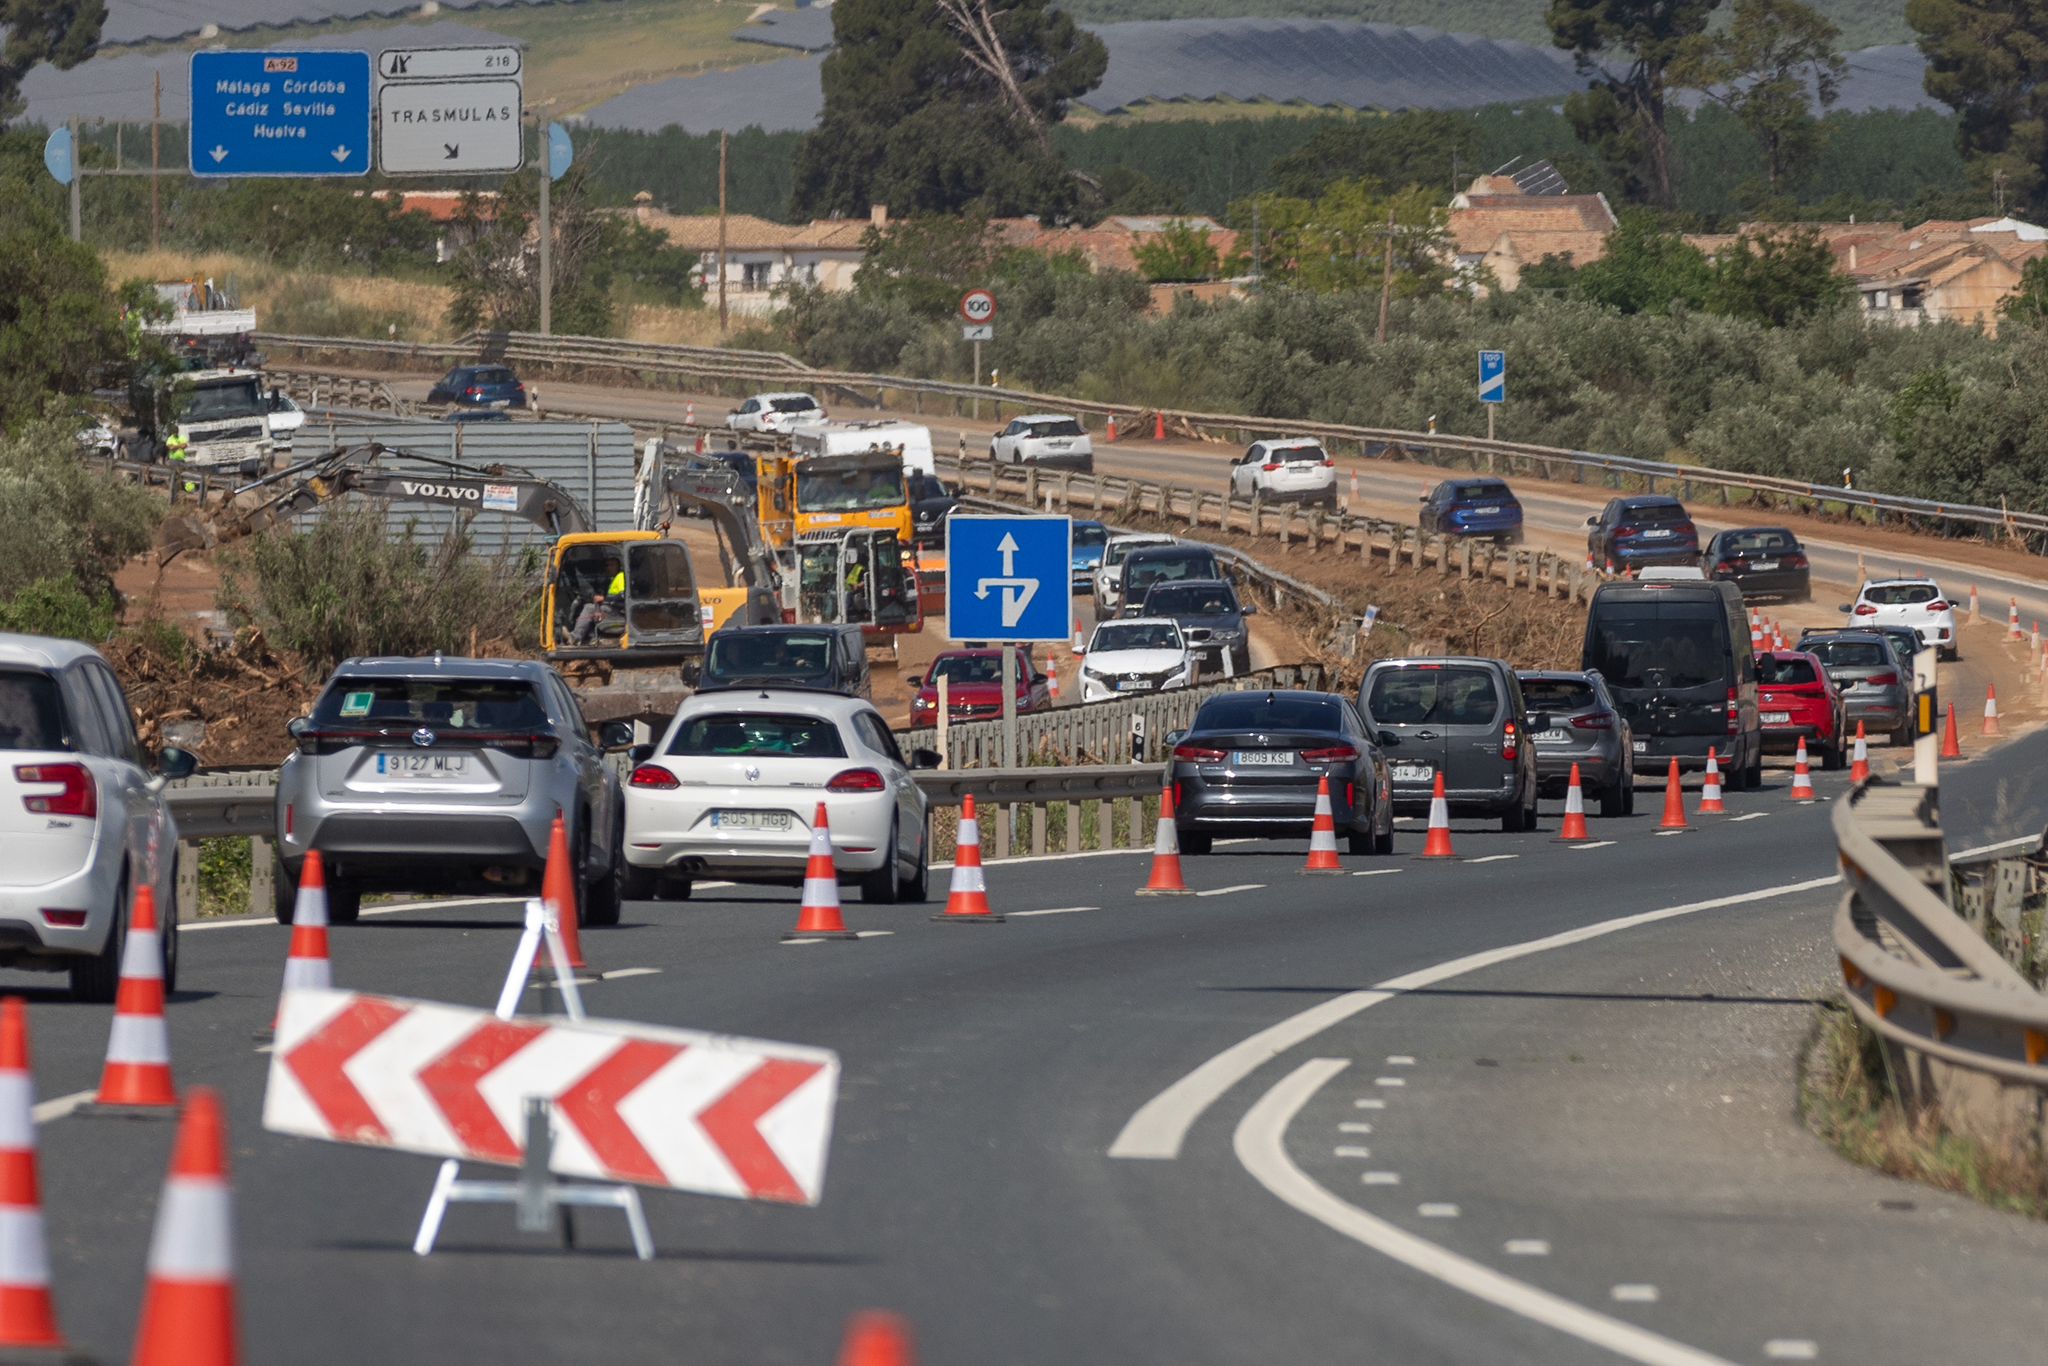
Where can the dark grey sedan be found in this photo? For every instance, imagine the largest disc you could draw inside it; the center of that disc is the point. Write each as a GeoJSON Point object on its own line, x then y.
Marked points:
{"type": "Point", "coordinates": [1211, 620]}
{"type": "Point", "coordinates": [1876, 688]}
{"type": "Point", "coordinates": [1250, 764]}
{"type": "Point", "coordinates": [1587, 729]}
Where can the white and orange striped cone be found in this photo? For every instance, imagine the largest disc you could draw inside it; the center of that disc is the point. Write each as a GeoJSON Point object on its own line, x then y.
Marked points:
{"type": "Point", "coordinates": [1574, 828]}
{"type": "Point", "coordinates": [138, 1069]}
{"type": "Point", "coordinates": [1322, 837]}
{"type": "Point", "coordinates": [306, 964]}
{"type": "Point", "coordinates": [1438, 842]}
{"type": "Point", "coordinates": [2012, 619]}
{"type": "Point", "coordinates": [558, 891]}
{"type": "Point", "coordinates": [875, 1338]}
{"type": "Point", "coordinates": [689, 414]}
{"type": "Point", "coordinates": [1859, 764]}
{"type": "Point", "coordinates": [1802, 777]}
{"type": "Point", "coordinates": [1991, 709]}
{"type": "Point", "coordinates": [2036, 646]}
{"type": "Point", "coordinates": [28, 1316]}
{"type": "Point", "coordinates": [1710, 786]}
{"type": "Point", "coordinates": [819, 916]}
{"type": "Point", "coordinates": [1756, 630]}
{"type": "Point", "coordinates": [968, 899]}
{"type": "Point", "coordinates": [1109, 433]}
{"type": "Point", "coordinates": [1165, 879]}
{"type": "Point", "coordinates": [1052, 678]}
{"type": "Point", "coordinates": [188, 1310]}
{"type": "Point", "coordinates": [1975, 614]}
{"type": "Point", "coordinates": [1080, 646]}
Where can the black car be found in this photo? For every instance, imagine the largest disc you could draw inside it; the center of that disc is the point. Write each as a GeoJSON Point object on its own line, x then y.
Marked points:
{"type": "Point", "coordinates": [824, 658]}
{"type": "Point", "coordinates": [479, 386]}
{"type": "Point", "coordinates": [1151, 564]}
{"type": "Point", "coordinates": [1763, 561]}
{"type": "Point", "coordinates": [931, 503]}
{"type": "Point", "coordinates": [1251, 762]}
{"type": "Point", "coordinates": [1676, 658]}
{"type": "Point", "coordinates": [1211, 621]}
{"type": "Point", "coordinates": [1642, 530]}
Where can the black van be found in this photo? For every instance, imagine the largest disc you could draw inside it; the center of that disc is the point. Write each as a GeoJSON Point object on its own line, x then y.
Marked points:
{"type": "Point", "coordinates": [822, 658]}
{"type": "Point", "coordinates": [1676, 656]}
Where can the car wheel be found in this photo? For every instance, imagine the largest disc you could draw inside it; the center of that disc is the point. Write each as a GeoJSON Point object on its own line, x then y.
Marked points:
{"type": "Point", "coordinates": [1383, 840]}
{"type": "Point", "coordinates": [97, 978]}
{"type": "Point", "coordinates": [602, 896]}
{"type": "Point", "coordinates": [1514, 820]}
{"type": "Point", "coordinates": [1902, 736]}
{"type": "Point", "coordinates": [344, 902]}
{"type": "Point", "coordinates": [1360, 841]}
{"type": "Point", "coordinates": [675, 888]}
{"type": "Point", "coordinates": [1195, 845]}
{"type": "Point", "coordinates": [918, 889]}
{"type": "Point", "coordinates": [638, 884]}
{"type": "Point", "coordinates": [167, 931]}
{"type": "Point", "coordinates": [284, 893]}
{"type": "Point", "coordinates": [1951, 655]}
{"type": "Point", "coordinates": [1831, 757]}
{"type": "Point", "coordinates": [880, 887]}
{"type": "Point", "coordinates": [1753, 777]}
{"type": "Point", "coordinates": [1614, 800]}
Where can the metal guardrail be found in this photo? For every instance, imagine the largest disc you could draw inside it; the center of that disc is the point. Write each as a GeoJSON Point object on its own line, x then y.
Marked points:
{"type": "Point", "coordinates": [1969, 1026]}
{"type": "Point", "coordinates": [652, 361]}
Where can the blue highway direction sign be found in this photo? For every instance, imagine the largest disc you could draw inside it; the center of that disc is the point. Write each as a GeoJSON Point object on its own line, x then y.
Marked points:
{"type": "Point", "coordinates": [1009, 578]}
{"type": "Point", "coordinates": [280, 113]}
{"type": "Point", "coordinates": [1493, 377]}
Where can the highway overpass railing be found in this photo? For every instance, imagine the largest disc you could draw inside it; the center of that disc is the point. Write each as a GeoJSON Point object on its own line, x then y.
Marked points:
{"type": "Point", "coordinates": [658, 364]}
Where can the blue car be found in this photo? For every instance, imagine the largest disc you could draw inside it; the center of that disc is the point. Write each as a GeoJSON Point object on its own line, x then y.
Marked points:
{"type": "Point", "coordinates": [1089, 539]}
{"type": "Point", "coordinates": [1642, 530]}
{"type": "Point", "coordinates": [1483, 508]}
{"type": "Point", "coordinates": [479, 386]}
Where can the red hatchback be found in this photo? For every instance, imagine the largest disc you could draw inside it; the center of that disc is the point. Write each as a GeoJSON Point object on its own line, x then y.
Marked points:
{"type": "Point", "coordinates": [1798, 700]}
{"type": "Point", "coordinates": [974, 687]}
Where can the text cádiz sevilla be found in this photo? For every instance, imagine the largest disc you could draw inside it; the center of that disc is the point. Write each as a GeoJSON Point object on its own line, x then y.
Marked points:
{"type": "Point", "coordinates": [257, 106]}
{"type": "Point", "coordinates": [457, 113]}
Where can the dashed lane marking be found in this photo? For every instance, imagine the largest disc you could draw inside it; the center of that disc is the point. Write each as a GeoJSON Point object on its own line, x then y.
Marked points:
{"type": "Point", "coordinates": [59, 1106]}
{"type": "Point", "coordinates": [1376, 872]}
{"type": "Point", "coordinates": [1797, 1349]}
{"type": "Point", "coordinates": [873, 934]}
{"type": "Point", "coordinates": [1595, 844]}
{"type": "Point", "coordinates": [1054, 910]}
{"type": "Point", "coordinates": [1493, 858]}
{"type": "Point", "coordinates": [1380, 1178]}
{"type": "Point", "coordinates": [1390, 1081]}
{"type": "Point", "coordinates": [1400, 1060]}
{"type": "Point", "coordinates": [1752, 816]}
{"type": "Point", "coordinates": [1437, 1211]}
{"type": "Point", "coordinates": [1226, 891]}
{"type": "Point", "coordinates": [1354, 1127]}
{"type": "Point", "coordinates": [1260, 1144]}
{"type": "Point", "coordinates": [616, 973]}
{"type": "Point", "coordinates": [1526, 1247]}
{"type": "Point", "coordinates": [1369, 1103]}
{"type": "Point", "coordinates": [1634, 1293]}
{"type": "Point", "coordinates": [1351, 1151]}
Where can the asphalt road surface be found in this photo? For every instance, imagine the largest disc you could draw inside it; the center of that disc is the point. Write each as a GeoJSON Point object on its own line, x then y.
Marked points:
{"type": "Point", "coordinates": [1579, 1152]}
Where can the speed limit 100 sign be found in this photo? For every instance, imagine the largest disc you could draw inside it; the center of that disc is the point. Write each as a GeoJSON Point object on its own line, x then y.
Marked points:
{"type": "Point", "coordinates": [977, 305]}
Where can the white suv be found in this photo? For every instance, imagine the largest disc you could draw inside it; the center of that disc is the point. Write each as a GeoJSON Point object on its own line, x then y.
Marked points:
{"type": "Point", "coordinates": [1049, 439]}
{"type": "Point", "coordinates": [1916, 603]}
{"type": "Point", "coordinates": [774, 413]}
{"type": "Point", "coordinates": [1135, 655]}
{"type": "Point", "coordinates": [1298, 469]}
{"type": "Point", "coordinates": [83, 821]}
{"type": "Point", "coordinates": [1109, 575]}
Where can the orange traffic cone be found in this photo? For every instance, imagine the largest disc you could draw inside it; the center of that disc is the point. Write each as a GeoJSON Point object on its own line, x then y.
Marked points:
{"type": "Point", "coordinates": [1574, 828]}
{"type": "Point", "coordinates": [28, 1317]}
{"type": "Point", "coordinates": [1110, 436]}
{"type": "Point", "coordinates": [306, 963]}
{"type": "Point", "coordinates": [188, 1311]}
{"type": "Point", "coordinates": [2012, 619]}
{"type": "Point", "coordinates": [1674, 802]}
{"type": "Point", "coordinates": [819, 917]}
{"type": "Point", "coordinates": [1438, 842]}
{"type": "Point", "coordinates": [874, 1338]}
{"type": "Point", "coordinates": [968, 899]}
{"type": "Point", "coordinates": [138, 1070]}
{"type": "Point", "coordinates": [1710, 786]}
{"type": "Point", "coordinates": [1859, 764]}
{"type": "Point", "coordinates": [1159, 426]}
{"type": "Point", "coordinates": [1165, 879]}
{"type": "Point", "coordinates": [1080, 646]}
{"type": "Point", "coordinates": [1322, 837]}
{"type": "Point", "coordinates": [1975, 615]}
{"type": "Point", "coordinates": [1951, 744]}
{"type": "Point", "coordinates": [1756, 630]}
{"type": "Point", "coordinates": [1802, 778]}
{"type": "Point", "coordinates": [558, 890]}
{"type": "Point", "coordinates": [1990, 709]}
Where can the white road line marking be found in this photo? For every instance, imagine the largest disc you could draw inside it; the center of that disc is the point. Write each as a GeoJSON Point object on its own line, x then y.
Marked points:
{"type": "Point", "coordinates": [266, 1048]}
{"type": "Point", "coordinates": [1752, 816]}
{"type": "Point", "coordinates": [1226, 891]}
{"type": "Point", "coordinates": [1351, 1151]}
{"type": "Point", "coordinates": [1803, 1349]}
{"type": "Point", "coordinates": [1390, 1081]}
{"type": "Point", "coordinates": [1161, 1124]}
{"type": "Point", "coordinates": [399, 908]}
{"type": "Point", "coordinates": [803, 941]}
{"type": "Point", "coordinates": [1526, 1247]}
{"type": "Point", "coordinates": [1400, 1060]}
{"type": "Point", "coordinates": [1376, 872]}
{"type": "Point", "coordinates": [1054, 910]}
{"type": "Point", "coordinates": [1352, 1127]}
{"type": "Point", "coordinates": [1634, 1294]}
{"type": "Point", "coordinates": [617, 973]}
{"type": "Point", "coordinates": [1381, 1178]}
{"type": "Point", "coordinates": [1260, 1147]}
{"type": "Point", "coordinates": [1969, 853]}
{"type": "Point", "coordinates": [872, 934]}
{"type": "Point", "coordinates": [59, 1106]}
{"type": "Point", "coordinates": [1595, 844]}
{"type": "Point", "coordinates": [1437, 1211]}
{"type": "Point", "coordinates": [1370, 1103]}
{"type": "Point", "coordinates": [1493, 858]}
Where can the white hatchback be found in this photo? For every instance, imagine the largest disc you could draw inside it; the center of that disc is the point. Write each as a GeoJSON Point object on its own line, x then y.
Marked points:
{"type": "Point", "coordinates": [1135, 655]}
{"type": "Point", "coordinates": [83, 821]}
{"type": "Point", "coordinates": [1297, 469]}
{"type": "Point", "coordinates": [1916, 603]}
{"type": "Point", "coordinates": [774, 413]}
{"type": "Point", "coordinates": [1049, 439]}
{"type": "Point", "coordinates": [1109, 575]}
{"type": "Point", "coordinates": [733, 786]}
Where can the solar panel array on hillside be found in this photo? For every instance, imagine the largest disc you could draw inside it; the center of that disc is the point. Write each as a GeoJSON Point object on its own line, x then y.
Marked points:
{"type": "Point", "coordinates": [150, 21]}
{"type": "Point", "coordinates": [783, 96]}
{"type": "Point", "coordinates": [807, 30]}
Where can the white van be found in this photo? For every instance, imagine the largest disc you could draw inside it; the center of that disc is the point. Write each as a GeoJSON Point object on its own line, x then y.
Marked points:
{"type": "Point", "coordinates": [851, 438]}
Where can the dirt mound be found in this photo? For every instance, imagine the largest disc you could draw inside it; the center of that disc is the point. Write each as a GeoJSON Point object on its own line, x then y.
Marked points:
{"type": "Point", "coordinates": [228, 703]}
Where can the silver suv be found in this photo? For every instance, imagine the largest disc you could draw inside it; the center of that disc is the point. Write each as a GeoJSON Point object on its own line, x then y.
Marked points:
{"type": "Point", "coordinates": [444, 776]}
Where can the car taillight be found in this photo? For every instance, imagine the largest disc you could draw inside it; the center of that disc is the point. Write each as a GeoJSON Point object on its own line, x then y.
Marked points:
{"type": "Point", "coordinates": [1734, 712]}
{"type": "Point", "coordinates": [1270, 467]}
{"type": "Point", "coordinates": [857, 780]}
{"type": "Point", "coordinates": [1795, 561]}
{"type": "Point", "coordinates": [76, 795]}
{"type": "Point", "coordinates": [1197, 754]}
{"type": "Point", "coordinates": [1329, 464]}
{"type": "Point", "coordinates": [1333, 754]}
{"type": "Point", "coordinates": [1350, 794]}
{"type": "Point", "coordinates": [472, 391]}
{"type": "Point", "coordinates": [1686, 529]}
{"type": "Point", "coordinates": [1882, 680]}
{"type": "Point", "coordinates": [1938, 605]}
{"type": "Point", "coordinates": [1510, 741]}
{"type": "Point", "coordinates": [1626, 530]}
{"type": "Point", "coordinates": [1864, 609]}
{"type": "Point", "coordinates": [1597, 721]}
{"type": "Point", "coordinates": [1726, 567]}
{"type": "Point", "coordinates": [653, 776]}
{"type": "Point", "coordinates": [289, 810]}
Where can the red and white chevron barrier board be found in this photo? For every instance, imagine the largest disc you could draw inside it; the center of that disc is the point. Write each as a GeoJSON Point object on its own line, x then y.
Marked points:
{"type": "Point", "coordinates": [659, 1107]}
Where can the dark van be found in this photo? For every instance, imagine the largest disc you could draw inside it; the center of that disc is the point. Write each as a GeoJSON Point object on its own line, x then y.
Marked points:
{"type": "Point", "coordinates": [1462, 717]}
{"type": "Point", "coordinates": [824, 658]}
{"type": "Point", "coordinates": [1676, 659]}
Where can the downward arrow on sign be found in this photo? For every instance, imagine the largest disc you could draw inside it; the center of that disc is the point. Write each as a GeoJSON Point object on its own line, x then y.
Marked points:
{"type": "Point", "coordinates": [341, 154]}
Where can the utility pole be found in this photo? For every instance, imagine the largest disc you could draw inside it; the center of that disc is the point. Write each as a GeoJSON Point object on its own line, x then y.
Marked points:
{"type": "Point", "coordinates": [1386, 279]}
{"type": "Point", "coordinates": [156, 147]}
{"type": "Point", "coordinates": [722, 141]}
{"type": "Point", "coordinates": [1257, 277]}
{"type": "Point", "coordinates": [547, 233]}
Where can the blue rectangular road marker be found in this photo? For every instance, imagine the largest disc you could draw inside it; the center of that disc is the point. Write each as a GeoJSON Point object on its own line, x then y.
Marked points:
{"type": "Point", "coordinates": [1009, 578]}
{"type": "Point", "coordinates": [1493, 377]}
{"type": "Point", "coordinates": [280, 113]}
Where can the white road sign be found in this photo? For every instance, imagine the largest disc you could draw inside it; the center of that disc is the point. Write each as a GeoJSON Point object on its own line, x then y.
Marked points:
{"type": "Point", "coordinates": [977, 306]}
{"type": "Point", "coordinates": [449, 127]}
{"type": "Point", "coordinates": [977, 331]}
{"type": "Point", "coordinates": [447, 63]}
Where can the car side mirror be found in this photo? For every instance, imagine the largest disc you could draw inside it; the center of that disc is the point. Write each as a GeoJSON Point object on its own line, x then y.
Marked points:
{"type": "Point", "coordinates": [298, 726]}
{"type": "Point", "coordinates": [639, 754]}
{"type": "Point", "coordinates": [924, 758]}
{"type": "Point", "coordinates": [1174, 737]}
{"type": "Point", "coordinates": [1251, 609]}
{"type": "Point", "coordinates": [1423, 499]}
{"type": "Point", "coordinates": [1386, 739]}
{"type": "Point", "coordinates": [915, 680]}
{"type": "Point", "coordinates": [1846, 608]}
{"type": "Point", "coordinates": [173, 762]}
{"type": "Point", "coordinates": [614, 736]}
{"type": "Point", "coordinates": [1592, 521]}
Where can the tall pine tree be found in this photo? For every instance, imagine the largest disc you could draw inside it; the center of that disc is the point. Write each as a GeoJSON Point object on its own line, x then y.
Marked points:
{"type": "Point", "coordinates": [1988, 61]}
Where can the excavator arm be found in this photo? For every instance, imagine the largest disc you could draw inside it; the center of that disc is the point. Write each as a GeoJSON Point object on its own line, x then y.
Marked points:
{"type": "Point", "coordinates": [718, 492]}
{"type": "Point", "coordinates": [466, 488]}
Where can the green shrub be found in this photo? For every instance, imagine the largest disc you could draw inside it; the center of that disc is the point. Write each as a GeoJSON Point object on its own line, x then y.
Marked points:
{"type": "Point", "coordinates": [57, 607]}
{"type": "Point", "coordinates": [224, 876]}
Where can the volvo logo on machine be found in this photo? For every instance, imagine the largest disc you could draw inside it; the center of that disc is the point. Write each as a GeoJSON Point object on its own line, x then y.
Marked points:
{"type": "Point", "coordinates": [452, 492]}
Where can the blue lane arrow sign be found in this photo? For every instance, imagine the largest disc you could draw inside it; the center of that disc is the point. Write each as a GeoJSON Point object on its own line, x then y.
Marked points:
{"type": "Point", "coordinates": [1493, 377]}
{"type": "Point", "coordinates": [1009, 578]}
{"type": "Point", "coordinates": [59, 156]}
{"type": "Point", "coordinates": [280, 113]}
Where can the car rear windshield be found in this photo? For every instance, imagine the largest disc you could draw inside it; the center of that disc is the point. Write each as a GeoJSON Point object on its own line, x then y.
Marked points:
{"type": "Point", "coordinates": [972, 668]}
{"type": "Point", "coordinates": [1164, 568]}
{"type": "Point", "coordinates": [1655, 514]}
{"type": "Point", "coordinates": [777, 653]}
{"type": "Point", "coordinates": [1267, 711]}
{"type": "Point", "coordinates": [758, 734]}
{"type": "Point", "coordinates": [802, 403]}
{"type": "Point", "coordinates": [1449, 696]}
{"type": "Point", "coordinates": [446, 704]}
{"type": "Point", "coordinates": [1089, 535]}
{"type": "Point", "coordinates": [1559, 694]}
{"type": "Point", "coordinates": [1116, 552]}
{"type": "Point", "coordinates": [1153, 637]}
{"type": "Point", "coordinates": [494, 377]}
{"type": "Point", "coordinates": [1298, 455]}
{"type": "Point", "coordinates": [1062, 426]}
{"type": "Point", "coordinates": [1484, 493]}
{"type": "Point", "coordinates": [31, 713]}
{"type": "Point", "coordinates": [1849, 654]}
{"type": "Point", "coordinates": [1900, 594]}
{"type": "Point", "coordinates": [1770, 669]}
{"type": "Point", "coordinates": [1750, 541]}
{"type": "Point", "coordinates": [1187, 599]}
{"type": "Point", "coordinates": [1660, 645]}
